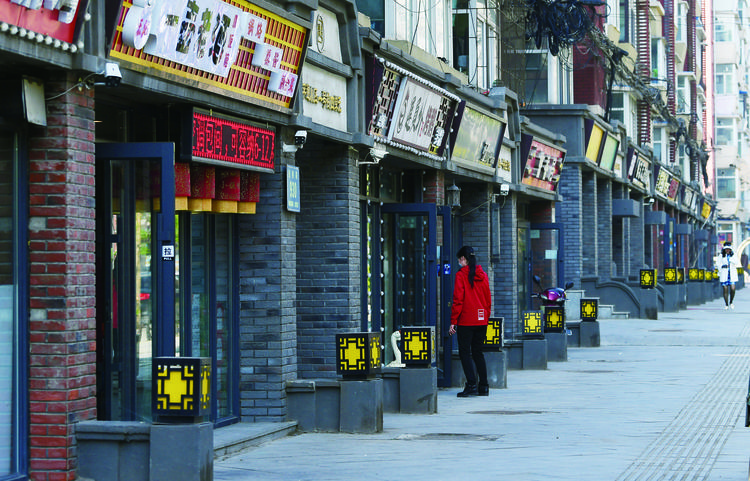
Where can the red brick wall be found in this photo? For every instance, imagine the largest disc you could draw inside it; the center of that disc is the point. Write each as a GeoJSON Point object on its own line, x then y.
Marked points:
{"type": "Point", "coordinates": [62, 328]}
{"type": "Point", "coordinates": [434, 187]}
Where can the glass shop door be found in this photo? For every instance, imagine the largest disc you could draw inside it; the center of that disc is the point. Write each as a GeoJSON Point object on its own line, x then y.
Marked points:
{"type": "Point", "coordinates": [410, 275]}
{"type": "Point", "coordinates": [135, 273]}
{"type": "Point", "coordinates": [546, 258]}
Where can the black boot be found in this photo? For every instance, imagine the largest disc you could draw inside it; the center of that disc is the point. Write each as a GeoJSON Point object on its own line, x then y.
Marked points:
{"type": "Point", "coordinates": [484, 390]}
{"type": "Point", "coordinates": [469, 390]}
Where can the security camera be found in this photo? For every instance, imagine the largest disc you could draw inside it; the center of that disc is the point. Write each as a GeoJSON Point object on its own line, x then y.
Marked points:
{"type": "Point", "coordinates": [300, 137]}
{"type": "Point", "coordinates": [504, 189]}
{"type": "Point", "coordinates": [112, 75]}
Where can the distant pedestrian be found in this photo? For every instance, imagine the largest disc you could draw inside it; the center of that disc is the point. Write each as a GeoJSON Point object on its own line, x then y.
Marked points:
{"type": "Point", "coordinates": [727, 265]}
{"type": "Point", "coordinates": [470, 313]}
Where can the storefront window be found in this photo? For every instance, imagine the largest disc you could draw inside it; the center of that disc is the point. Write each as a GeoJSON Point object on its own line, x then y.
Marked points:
{"type": "Point", "coordinates": [207, 275]}
{"type": "Point", "coordinates": [11, 372]}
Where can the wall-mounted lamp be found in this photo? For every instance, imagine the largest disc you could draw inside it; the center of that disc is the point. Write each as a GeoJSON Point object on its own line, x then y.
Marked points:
{"type": "Point", "coordinates": [453, 196]}
{"type": "Point", "coordinates": [649, 201]}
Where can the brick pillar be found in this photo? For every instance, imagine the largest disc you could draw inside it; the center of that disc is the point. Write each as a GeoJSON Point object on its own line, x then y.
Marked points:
{"type": "Point", "coordinates": [62, 327]}
{"type": "Point", "coordinates": [604, 228]}
{"type": "Point", "coordinates": [329, 260]}
{"type": "Point", "coordinates": [589, 219]}
{"type": "Point", "coordinates": [267, 302]}
{"type": "Point", "coordinates": [434, 183]}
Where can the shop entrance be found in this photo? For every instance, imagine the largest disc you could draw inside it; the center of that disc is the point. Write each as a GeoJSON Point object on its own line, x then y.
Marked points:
{"type": "Point", "coordinates": [167, 283]}
{"type": "Point", "coordinates": [546, 258]}
{"type": "Point", "coordinates": [412, 294]}
{"type": "Point", "coordinates": [135, 273]}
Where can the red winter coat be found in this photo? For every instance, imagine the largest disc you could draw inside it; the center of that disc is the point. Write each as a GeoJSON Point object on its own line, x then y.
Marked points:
{"type": "Point", "coordinates": [471, 306]}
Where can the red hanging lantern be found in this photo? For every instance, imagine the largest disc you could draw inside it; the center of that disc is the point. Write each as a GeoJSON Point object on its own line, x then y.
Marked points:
{"type": "Point", "coordinates": [202, 187]}
{"type": "Point", "coordinates": [181, 185]}
{"type": "Point", "coordinates": [249, 192]}
{"type": "Point", "coordinates": [227, 191]}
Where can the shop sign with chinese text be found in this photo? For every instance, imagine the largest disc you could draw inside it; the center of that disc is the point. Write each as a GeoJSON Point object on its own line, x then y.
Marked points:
{"type": "Point", "coordinates": [409, 112]}
{"type": "Point", "coordinates": [478, 140]}
{"type": "Point", "coordinates": [639, 171]}
{"type": "Point", "coordinates": [544, 164]}
{"type": "Point", "coordinates": [58, 19]}
{"type": "Point", "coordinates": [237, 48]}
{"type": "Point", "coordinates": [231, 142]}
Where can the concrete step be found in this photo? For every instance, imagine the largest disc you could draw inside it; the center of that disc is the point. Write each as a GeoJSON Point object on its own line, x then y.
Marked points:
{"type": "Point", "coordinates": [608, 312]}
{"type": "Point", "coordinates": [230, 440]}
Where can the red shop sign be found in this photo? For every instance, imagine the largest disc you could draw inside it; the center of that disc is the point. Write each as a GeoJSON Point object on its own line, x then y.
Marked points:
{"type": "Point", "coordinates": [230, 142]}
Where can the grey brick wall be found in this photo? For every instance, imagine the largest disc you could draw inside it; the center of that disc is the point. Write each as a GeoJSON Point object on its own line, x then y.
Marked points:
{"type": "Point", "coordinates": [589, 220]}
{"type": "Point", "coordinates": [267, 308]}
{"type": "Point", "coordinates": [620, 247]}
{"type": "Point", "coordinates": [328, 257]}
{"type": "Point", "coordinates": [604, 228]}
{"type": "Point", "coordinates": [569, 213]}
{"type": "Point", "coordinates": [637, 242]}
{"type": "Point", "coordinates": [505, 292]}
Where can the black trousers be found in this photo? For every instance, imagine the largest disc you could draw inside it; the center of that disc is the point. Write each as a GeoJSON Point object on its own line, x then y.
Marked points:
{"type": "Point", "coordinates": [470, 345]}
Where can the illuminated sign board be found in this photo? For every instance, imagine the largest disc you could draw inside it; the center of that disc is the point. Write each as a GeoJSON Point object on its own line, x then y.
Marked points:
{"type": "Point", "coordinates": [639, 170]}
{"type": "Point", "coordinates": [544, 164]}
{"type": "Point", "coordinates": [478, 140]}
{"type": "Point", "coordinates": [57, 19]}
{"type": "Point", "coordinates": [609, 152]}
{"type": "Point", "coordinates": [223, 141]}
{"type": "Point", "coordinates": [236, 49]}
{"type": "Point", "coordinates": [409, 112]}
{"type": "Point", "coordinates": [415, 115]}
{"type": "Point", "coordinates": [595, 137]}
{"type": "Point", "coordinates": [662, 182]}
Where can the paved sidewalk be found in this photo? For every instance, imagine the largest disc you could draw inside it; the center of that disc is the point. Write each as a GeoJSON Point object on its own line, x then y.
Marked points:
{"type": "Point", "coordinates": [659, 400]}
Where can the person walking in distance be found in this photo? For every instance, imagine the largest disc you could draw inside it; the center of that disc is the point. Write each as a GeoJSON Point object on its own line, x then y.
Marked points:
{"type": "Point", "coordinates": [728, 264]}
{"type": "Point", "coordinates": [470, 313]}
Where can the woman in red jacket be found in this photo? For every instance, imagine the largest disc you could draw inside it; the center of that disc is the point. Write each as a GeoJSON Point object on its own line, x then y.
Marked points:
{"type": "Point", "coordinates": [469, 315]}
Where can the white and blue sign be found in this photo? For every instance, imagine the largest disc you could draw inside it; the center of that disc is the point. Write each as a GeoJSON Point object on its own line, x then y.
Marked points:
{"type": "Point", "coordinates": [292, 188]}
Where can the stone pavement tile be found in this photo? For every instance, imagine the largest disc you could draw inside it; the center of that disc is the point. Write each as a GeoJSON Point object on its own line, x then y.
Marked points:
{"type": "Point", "coordinates": [589, 418]}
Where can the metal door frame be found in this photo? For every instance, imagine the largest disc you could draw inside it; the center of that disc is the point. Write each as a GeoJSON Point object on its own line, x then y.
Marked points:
{"type": "Point", "coordinates": [430, 211]}
{"type": "Point", "coordinates": [560, 256]}
{"type": "Point", "coordinates": [164, 239]}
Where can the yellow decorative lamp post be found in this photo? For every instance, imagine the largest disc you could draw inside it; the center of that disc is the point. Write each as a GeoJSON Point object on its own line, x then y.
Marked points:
{"type": "Point", "coordinates": [358, 354]}
{"type": "Point", "coordinates": [589, 309]}
{"type": "Point", "coordinates": [418, 346]}
{"type": "Point", "coordinates": [554, 318]}
{"type": "Point", "coordinates": [182, 388]}
{"type": "Point", "coordinates": [533, 327]}
{"type": "Point", "coordinates": [494, 337]}
{"type": "Point", "coordinates": [648, 278]}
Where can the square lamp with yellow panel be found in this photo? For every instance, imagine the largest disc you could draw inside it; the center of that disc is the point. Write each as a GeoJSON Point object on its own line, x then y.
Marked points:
{"type": "Point", "coordinates": [648, 278]}
{"type": "Point", "coordinates": [494, 338]}
{"type": "Point", "coordinates": [680, 275]}
{"type": "Point", "coordinates": [701, 275]}
{"type": "Point", "coordinates": [358, 354]}
{"type": "Point", "coordinates": [693, 274]}
{"type": "Point", "coordinates": [554, 318]}
{"type": "Point", "coordinates": [670, 275]}
{"type": "Point", "coordinates": [417, 346]}
{"type": "Point", "coordinates": [533, 324]}
{"type": "Point", "coordinates": [181, 388]}
{"type": "Point", "coordinates": [715, 274]}
{"type": "Point", "coordinates": [589, 309]}
{"type": "Point", "coordinates": [740, 272]}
